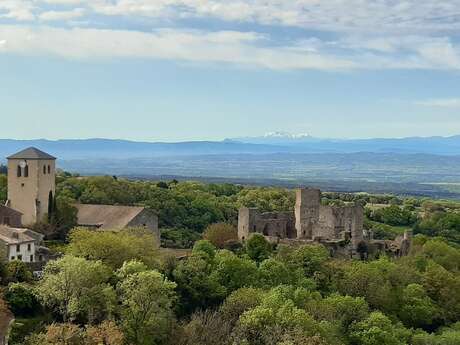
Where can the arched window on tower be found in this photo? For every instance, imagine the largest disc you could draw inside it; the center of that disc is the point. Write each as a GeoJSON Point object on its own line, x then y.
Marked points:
{"type": "Point", "coordinates": [49, 169]}
{"type": "Point", "coordinates": [19, 171]}
{"type": "Point", "coordinates": [26, 171]}
{"type": "Point", "coordinates": [44, 169]}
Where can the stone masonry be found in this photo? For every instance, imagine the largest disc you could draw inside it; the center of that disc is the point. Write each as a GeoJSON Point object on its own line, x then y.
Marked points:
{"type": "Point", "coordinates": [340, 229]}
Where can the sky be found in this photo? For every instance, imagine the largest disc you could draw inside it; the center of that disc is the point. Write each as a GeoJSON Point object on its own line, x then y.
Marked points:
{"type": "Point", "coordinates": [172, 70]}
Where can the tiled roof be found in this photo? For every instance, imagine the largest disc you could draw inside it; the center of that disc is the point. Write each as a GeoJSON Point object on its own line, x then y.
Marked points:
{"type": "Point", "coordinates": [31, 153]}
{"type": "Point", "coordinates": [107, 216]}
{"type": "Point", "coordinates": [16, 235]}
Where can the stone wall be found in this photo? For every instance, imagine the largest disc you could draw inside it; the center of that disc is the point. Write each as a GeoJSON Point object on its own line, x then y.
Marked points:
{"type": "Point", "coordinates": [340, 229]}
{"type": "Point", "coordinates": [274, 224]}
{"type": "Point", "coordinates": [149, 220]}
{"type": "Point", "coordinates": [10, 217]}
{"type": "Point", "coordinates": [307, 209]}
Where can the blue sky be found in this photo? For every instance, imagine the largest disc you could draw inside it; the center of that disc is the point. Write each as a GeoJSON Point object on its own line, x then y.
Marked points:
{"type": "Point", "coordinates": [210, 69]}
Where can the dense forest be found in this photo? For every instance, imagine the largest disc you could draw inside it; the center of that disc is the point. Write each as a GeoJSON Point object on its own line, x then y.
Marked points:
{"type": "Point", "coordinates": [114, 288]}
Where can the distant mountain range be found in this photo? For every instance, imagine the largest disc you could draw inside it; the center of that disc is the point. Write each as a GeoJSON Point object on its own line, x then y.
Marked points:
{"type": "Point", "coordinates": [415, 166]}
{"type": "Point", "coordinates": [269, 144]}
{"type": "Point", "coordinates": [308, 144]}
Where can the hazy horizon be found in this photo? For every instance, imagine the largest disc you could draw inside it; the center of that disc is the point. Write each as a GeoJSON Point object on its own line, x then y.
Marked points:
{"type": "Point", "coordinates": [295, 136]}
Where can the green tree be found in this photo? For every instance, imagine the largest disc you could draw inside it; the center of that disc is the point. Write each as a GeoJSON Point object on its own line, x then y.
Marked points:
{"type": "Point", "coordinates": [273, 272]}
{"type": "Point", "coordinates": [258, 248]}
{"type": "Point", "coordinates": [147, 299]}
{"type": "Point", "coordinates": [274, 319]}
{"type": "Point", "coordinates": [21, 299]}
{"type": "Point", "coordinates": [113, 248]}
{"type": "Point", "coordinates": [3, 188]}
{"type": "Point", "coordinates": [131, 267]}
{"type": "Point", "coordinates": [196, 287]}
{"type": "Point", "coordinates": [64, 216]}
{"type": "Point", "coordinates": [417, 310]}
{"type": "Point", "coordinates": [443, 287]}
{"type": "Point", "coordinates": [233, 272]}
{"type": "Point", "coordinates": [239, 302]}
{"type": "Point", "coordinates": [308, 258]}
{"type": "Point", "coordinates": [344, 309]}
{"type": "Point", "coordinates": [267, 199]}
{"type": "Point", "coordinates": [394, 215]}
{"type": "Point", "coordinates": [17, 272]}
{"type": "Point", "coordinates": [206, 247]}
{"type": "Point", "coordinates": [220, 233]}
{"type": "Point", "coordinates": [77, 289]}
{"type": "Point", "coordinates": [378, 329]}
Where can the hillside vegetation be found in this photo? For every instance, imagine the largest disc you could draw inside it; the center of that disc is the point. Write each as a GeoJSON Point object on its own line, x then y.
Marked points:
{"type": "Point", "coordinates": [115, 290]}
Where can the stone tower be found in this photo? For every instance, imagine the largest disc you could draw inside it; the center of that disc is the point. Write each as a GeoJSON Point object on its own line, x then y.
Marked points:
{"type": "Point", "coordinates": [307, 207]}
{"type": "Point", "coordinates": [247, 219]}
{"type": "Point", "coordinates": [31, 183]}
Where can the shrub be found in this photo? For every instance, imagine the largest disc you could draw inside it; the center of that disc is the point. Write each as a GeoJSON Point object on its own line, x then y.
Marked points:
{"type": "Point", "coordinates": [218, 234]}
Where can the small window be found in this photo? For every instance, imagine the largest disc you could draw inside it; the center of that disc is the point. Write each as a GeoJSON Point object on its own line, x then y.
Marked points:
{"type": "Point", "coordinates": [31, 258]}
{"type": "Point", "coordinates": [13, 258]}
{"type": "Point", "coordinates": [19, 171]}
{"type": "Point", "coordinates": [20, 257]}
{"type": "Point", "coordinates": [29, 247]}
{"type": "Point", "coordinates": [18, 248]}
{"type": "Point", "coordinates": [44, 169]}
{"type": "Point", "coordinates": [26, 171]}
{"type": "Point", "coordinates": [49, 169]}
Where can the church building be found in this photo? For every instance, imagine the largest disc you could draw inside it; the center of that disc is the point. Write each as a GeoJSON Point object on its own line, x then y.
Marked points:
{"type": "Point", "coordinates": [31, 192]}
{"type": "Point", "coordinates": [31, 184]}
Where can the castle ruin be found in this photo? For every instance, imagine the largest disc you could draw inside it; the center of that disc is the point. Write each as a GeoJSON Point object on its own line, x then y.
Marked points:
{"type": "Point", "coordinates": [339, 228]}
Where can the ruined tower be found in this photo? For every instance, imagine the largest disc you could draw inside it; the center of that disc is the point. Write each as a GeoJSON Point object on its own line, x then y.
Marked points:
{"type": "Point", "coordinates": [307, 208]}
{"type": "Point", "coordinates": [247, 218]}
{"type": "Point", "coordinates": [31, 183]}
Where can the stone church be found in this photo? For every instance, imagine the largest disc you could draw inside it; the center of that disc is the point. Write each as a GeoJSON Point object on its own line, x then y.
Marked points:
{"type": "Point", "coordinates": [31, 184]}
{"type": "Point", "coordinates": [32, 188]}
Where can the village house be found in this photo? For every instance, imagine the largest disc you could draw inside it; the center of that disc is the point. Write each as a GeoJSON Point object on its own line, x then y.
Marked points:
{"type": "Point", "coordinates": [22, 244]}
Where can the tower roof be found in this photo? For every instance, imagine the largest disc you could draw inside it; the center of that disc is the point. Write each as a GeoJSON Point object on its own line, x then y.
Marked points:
{"type": "Point", "coordinates": [31, 153]}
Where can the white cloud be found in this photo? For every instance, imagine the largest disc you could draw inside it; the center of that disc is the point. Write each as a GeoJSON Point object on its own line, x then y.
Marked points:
{"type": "Point", "coordinates": [440, 103]}
{"type": "Point", "coordinates": [232, 47]}
{"type": "Point", "coordinates": [20, 10]}
{"type": "Point", "coordinates": [409, 34]}
{"type": "Point", "coordinates": [62, 15]}
{"type": "Point", "coordinates": [353, 15]}
{"type": "Point", "coordinates": [240, 48]}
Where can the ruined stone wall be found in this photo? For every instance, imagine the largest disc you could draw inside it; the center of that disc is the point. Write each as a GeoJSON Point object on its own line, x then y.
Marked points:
{"type": "Point", "coordinates": [325, 228]}
{"type": "Point", "coordinates": [310, 222]}
{"type": "Point", "coordinates": [307, 209]}
{"type": "Point", "coordinates": [357, 226]}
{"type": "Point", "coordinates": [246, 222]}
{"type": "Point", "coordinates": [335, 221]}
{"type": "Point", "coordinates": [276, 224]}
